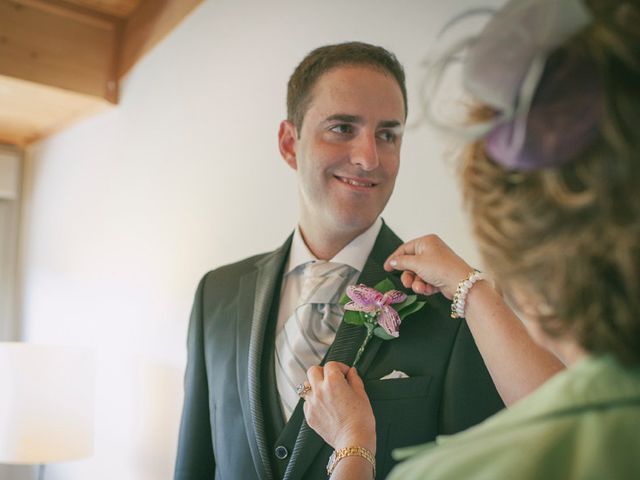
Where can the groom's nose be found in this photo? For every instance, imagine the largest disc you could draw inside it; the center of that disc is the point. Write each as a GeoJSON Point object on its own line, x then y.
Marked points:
{"type": "Point", "coordinates": [364, 152]}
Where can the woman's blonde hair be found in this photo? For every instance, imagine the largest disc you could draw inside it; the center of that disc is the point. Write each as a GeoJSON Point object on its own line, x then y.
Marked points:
{"type": "Point", "coordinates": [572, 233]}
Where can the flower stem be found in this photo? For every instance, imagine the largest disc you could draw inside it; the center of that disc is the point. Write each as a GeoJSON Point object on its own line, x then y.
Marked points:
{"type": "Point", "coordinates": [363, 346]}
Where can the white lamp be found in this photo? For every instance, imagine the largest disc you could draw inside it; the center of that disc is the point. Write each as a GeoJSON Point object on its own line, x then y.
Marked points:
{"type": "Point", "coordinates": [46, 404]}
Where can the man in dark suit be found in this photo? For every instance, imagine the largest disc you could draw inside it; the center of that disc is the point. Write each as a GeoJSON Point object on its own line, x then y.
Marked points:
{"type": "Point", "coordinates": [346, 112]}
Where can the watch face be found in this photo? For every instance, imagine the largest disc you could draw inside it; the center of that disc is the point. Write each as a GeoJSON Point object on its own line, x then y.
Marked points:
{"type": "Point", "coordinates": [332, 459]}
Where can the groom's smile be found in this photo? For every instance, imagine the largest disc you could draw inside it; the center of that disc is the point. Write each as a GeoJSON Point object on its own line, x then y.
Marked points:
{"type": "Point", "coordinates": [357, 183]}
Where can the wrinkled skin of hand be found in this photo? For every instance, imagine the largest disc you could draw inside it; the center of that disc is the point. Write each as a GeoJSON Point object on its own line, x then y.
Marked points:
{"type": "Point", "coordinates": [429, 266]}
{"type": "Point", "coordinates": [338, 408]}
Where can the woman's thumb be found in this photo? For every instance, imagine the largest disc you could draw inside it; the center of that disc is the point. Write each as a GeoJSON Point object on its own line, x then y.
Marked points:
{"type": "Point", "coordinates": [404, 262]}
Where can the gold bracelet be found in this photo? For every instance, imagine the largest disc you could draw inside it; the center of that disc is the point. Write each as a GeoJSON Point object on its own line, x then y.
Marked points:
{"type": "Point", "coordinates": [338, 455]}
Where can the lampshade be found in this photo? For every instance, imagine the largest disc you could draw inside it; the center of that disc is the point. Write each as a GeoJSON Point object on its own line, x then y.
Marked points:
{"type": "Point", "coordinates": [46, 403]}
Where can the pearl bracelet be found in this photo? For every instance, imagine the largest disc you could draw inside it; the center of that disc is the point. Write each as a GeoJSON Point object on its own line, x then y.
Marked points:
{"type": "Point", "coordinates": [460, 297]}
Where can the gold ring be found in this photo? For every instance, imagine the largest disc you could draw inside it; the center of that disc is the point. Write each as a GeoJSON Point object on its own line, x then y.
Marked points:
{"type": "Point", "coordinates": [302, 389]}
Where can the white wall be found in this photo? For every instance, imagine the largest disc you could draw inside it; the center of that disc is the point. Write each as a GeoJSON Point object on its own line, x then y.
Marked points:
{"type": "Point", "coordinates": [125, 211]}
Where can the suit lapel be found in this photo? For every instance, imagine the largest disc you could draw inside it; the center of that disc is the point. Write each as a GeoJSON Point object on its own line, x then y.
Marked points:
{"type": "Point", "coordinates": [257, 291]}
{"type": "Point", "coordinates": [348, 340]}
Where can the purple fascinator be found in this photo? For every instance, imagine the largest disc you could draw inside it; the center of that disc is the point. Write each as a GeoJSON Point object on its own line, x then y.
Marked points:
{"type": "Point", "coordinates": [549, 105]}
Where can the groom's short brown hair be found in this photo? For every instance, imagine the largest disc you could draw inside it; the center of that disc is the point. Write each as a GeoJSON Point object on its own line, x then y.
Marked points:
{"type": "Point", "coordinates": [325, 58]}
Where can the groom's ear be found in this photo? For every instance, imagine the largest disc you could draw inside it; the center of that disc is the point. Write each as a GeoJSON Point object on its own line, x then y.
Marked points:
{"type": "Point", "coordinates": [287, 136]}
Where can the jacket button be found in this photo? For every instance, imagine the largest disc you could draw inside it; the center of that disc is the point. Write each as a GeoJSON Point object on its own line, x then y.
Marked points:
{"type": "Point", "coordinates": [281, 452]}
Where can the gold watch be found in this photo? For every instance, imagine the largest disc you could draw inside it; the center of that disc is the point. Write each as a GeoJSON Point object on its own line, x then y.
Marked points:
{"type": "Point", "coordinates": [338, 455]}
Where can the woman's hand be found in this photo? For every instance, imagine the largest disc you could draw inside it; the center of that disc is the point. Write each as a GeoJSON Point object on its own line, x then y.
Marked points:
{"type": "Point", "coordinates": [337, 407]}
{"type": "Point", "coordinates": [429, 265]}
{"type": "Point", "coordinates": [516, 364]}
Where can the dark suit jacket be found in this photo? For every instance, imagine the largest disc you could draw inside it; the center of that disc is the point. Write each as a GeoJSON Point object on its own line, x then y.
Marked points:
{"type": "Point", "coordinates": [228, 422]}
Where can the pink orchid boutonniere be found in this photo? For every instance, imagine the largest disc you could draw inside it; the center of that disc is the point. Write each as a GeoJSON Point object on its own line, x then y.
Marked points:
{"type": "Point", "coordinates": [380, 309]}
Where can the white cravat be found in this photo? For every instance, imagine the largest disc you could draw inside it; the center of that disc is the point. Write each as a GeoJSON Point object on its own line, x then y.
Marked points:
{"type": "Point", "coordinates": [310, 330]}
{"type": "Point", "coordinates": [355, 255]}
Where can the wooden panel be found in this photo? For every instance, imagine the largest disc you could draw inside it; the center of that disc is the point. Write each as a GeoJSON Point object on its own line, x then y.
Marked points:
{"type": "Point", "coordinates": [60, 61]}
{"type": "Point", "coordinates": [29, 111]}
{"type": "Point", "coordinates": [65, 9]}
{"type": "Point", "coordinates": [119, 8]}
{"type": "Point", "coordinates": [64, 49]}
{"type": "Point", "coordinates": [149, 24]}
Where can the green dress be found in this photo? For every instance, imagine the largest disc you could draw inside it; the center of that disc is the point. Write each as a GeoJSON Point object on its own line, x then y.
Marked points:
{"type": "Point", "coordinates": [584, 423]}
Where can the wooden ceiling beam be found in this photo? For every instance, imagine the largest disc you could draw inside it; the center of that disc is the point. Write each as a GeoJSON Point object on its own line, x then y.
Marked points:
{"type": "Point", "coordinates": [60, 61]}
{"type": "Point", "coordinates": [59, 48]}
{"type": "Point", "coordinates": [57, 65]}
{"type": "Point", "coordinates": [147, 25]}
{"type": "Point", "coordinates": [65, 8]}
{"type": "Point", "coordinates": [31, 111]}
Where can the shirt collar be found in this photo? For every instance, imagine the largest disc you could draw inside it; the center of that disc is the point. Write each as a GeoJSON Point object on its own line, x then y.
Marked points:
{"type": "Point", "coordinates": [354, 254]}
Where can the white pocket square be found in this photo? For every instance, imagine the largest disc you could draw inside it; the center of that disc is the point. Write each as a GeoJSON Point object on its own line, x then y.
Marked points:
{"type": "Point", "coordinates": [395, 374]}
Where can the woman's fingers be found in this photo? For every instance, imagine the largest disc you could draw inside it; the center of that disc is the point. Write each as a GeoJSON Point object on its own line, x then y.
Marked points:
{"type": "Point", "coordinates": [407, 279]}
{"type": "Point", "coordinates": [323, 379]}
{"type": "Point", "coordinates": [315, 376]}
{"type": "Point", "coordinates": [408, 248]}
{"type": "Point", "coordinates": [417, 284]}
{"type": "Point", "coordinates": [337, 367]}
{"type": "Point", "coordinates": [337, 407]}
{"type": "Point", "coordinates": [354, 380]}
{"type": "Point", "coordinates": [428, 266]}
{"type": "Point", "coordinates": [406, 262]}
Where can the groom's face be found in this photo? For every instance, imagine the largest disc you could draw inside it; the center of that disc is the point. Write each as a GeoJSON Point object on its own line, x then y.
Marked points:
{"type": "Point", "coordinates": [347, 153]}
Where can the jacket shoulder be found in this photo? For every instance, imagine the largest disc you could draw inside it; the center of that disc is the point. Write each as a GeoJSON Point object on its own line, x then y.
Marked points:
{"type": "Point", "coordinates": [228, 276]}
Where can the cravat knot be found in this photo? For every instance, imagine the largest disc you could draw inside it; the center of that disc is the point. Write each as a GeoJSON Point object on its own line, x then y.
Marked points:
{"type": "Point", "coordinates": [324, 282]}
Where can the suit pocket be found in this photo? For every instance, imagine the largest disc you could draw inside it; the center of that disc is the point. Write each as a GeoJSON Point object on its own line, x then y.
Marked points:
{"type": "Point", "coordinates": [398, 388]}
{"type": "Point", "coordinates": [406, 414]}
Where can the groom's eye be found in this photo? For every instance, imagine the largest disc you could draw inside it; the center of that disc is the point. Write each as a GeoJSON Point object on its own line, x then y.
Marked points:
{"type": "Point", "coordinates": [387, 136]}
{"type": "Point", "coordinates": [342, 128]}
